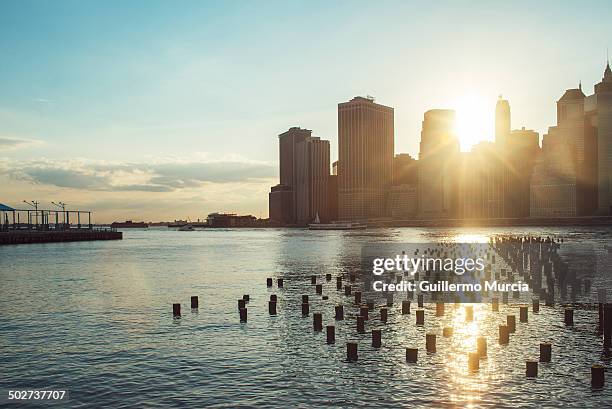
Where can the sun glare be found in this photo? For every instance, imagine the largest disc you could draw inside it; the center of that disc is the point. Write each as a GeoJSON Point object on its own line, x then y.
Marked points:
{"type": "Point", "coordinates": [474, 121]}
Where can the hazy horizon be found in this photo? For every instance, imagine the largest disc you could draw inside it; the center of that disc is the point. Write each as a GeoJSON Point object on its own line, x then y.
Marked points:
{"type": "Point", "coordinates": [160, 111]}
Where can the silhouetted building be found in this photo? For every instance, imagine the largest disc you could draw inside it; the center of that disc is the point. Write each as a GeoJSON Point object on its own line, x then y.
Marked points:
{"type": "Point", "coordinates": [365, 162]}
{"type": "Point", "coordinates": [598, 112]}
{"type": "Point", "coordinates": [335, 168]}
{"type": "Point", "coordinates": [480, 176]}
{"type": "Point", "coordinates": [402, 202]}
{"type": "Point", "coordinates": [332, 197]}
{"type": "Point", "coordinates": [438, 156]}
{"type": "Point", "coordinates": [280, 205]}
{"type": "Point", "coordinates": [232, 220]}
{"type": "Point", "coordinates": [405, 169]}
{"type": "Point", "coordinates": [522, 148]}
{"type": "Point", "coordinates": [502, 121]}
{"type": "Point", "coordinates": [312, 175]}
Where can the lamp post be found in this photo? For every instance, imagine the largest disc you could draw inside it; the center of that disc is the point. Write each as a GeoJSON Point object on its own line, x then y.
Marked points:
{"type": "Point", "coordinates": [62, 206]}
{"type": "Point", "coordinates": [34, 204]}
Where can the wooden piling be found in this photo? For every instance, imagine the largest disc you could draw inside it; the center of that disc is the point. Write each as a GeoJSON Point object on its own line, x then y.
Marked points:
{"type": "Point", "coordinates": [481, 346]}
{"type": "Point", "coordinates": [597, 376]}
{"type": "Point", "coordinates": [246, 298]}
{"type": "Point", "coordinates": [347, 290]}
{"type": "Point", "coordinates": [357, 297]}
{"type": "Point", "coordinates": [313, 279]}
{"type": "Point", "coordinates": [176, 310]}
{"type": "Point", "coordinates": [360, 325]}
{"type": "Point", "coordinates": [376, 338]}
{"type": "Point", "coordinates": [273, 297]}
{"type": "Point", "coordinates": [568, 317]}
{"type": "Point", "coordinates": [305, 309]}
{"type": "Point", "coordinates": [319, 288]}
{"type": "Point", "coordinates": [439, 309]}
{"type": "Point", "coordinates": [430, 343]}
{"type": "Point", "coordinates": [420, 300]}
{"type": "Point", "coordinates": [383, 314]}
{"type": "Point", "coordinates": [412, 355]}
{"type": "Point", "coordinates": [331, 334]}
{"type": "Point", "coordinates": [545, 351]}
{"type": "Point", "coordinates": [511, 323]}
{"type": "Point", "coordinates": [536, 305]}
{"type": "Point", "coordinates": [328, 277]}
{"type": "Point", "coordinates": [317, 321]}
{"type": "Point", "coordinates": [495, 304]}
{"type": "Point", "coordinates": [338, 283]}
{"type": "Point", "coordinates": [363, 311]}
{"type": "Point", "coordinates": [241, 304]}
{"type": "Point", "coordinates": [523, 317]}
{"type": "Point", "coordinates": [370, 305]}
{"type": "Point", "coordinates": [504, 334]}
{"type": "Point", "coordinates": [352, 277]}
{"type": "Point", "coordinates": [280, 283]}
{"type": "Point", "coordinates": [195, 303]}
{"type": "Point", "coordinates": [405, 307]}
{"type": "Point", "coordinates": [469, 313]}
{"type": "Point", "coordinates": [389, 300]}
{"type": "Point", "coordinates": [447, 332]}
{"type": "Point", "coordinates": [272, 307]}
{"type": "Point", "coordinates": [420, 317]}
{"type": "Point", "coordinates": [269, 282]}
{"type": "Point", "coordinates": [339, 312]}
{"type": "Point", "coordinates": [243, 314]}
{"type": "Point", "coordinates": [351, 351]}
{"type": "Point", "coordinates": [473, 361]}
{"type": "Point", "coordinates": [607, 326]}
{"type": "Point", "coordinates": [304, 299]}
{"type": "Point", "coordinates": [531, 369]}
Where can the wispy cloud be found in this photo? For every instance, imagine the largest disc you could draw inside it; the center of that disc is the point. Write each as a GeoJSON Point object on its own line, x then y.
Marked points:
{"type": "Point", "coordinates": [162, 175]}
{"type": "Point", "coordinates": [7, 143]}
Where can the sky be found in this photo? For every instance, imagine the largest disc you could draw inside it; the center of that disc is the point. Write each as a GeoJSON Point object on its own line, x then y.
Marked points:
{"type": "Point", "coordinates": [157, 110]}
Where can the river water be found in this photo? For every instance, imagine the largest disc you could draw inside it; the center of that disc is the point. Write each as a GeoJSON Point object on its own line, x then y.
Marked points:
{"type": "Point", "coordinates": [95, 318]}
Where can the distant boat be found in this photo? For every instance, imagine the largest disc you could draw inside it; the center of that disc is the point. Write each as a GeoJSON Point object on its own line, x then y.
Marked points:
{"type": "Point", "coordinates": [187, 227]}
{"type": "Point", "coordinates": [128, 224]}
{"type": "Point", "coordinates": [317, 225]}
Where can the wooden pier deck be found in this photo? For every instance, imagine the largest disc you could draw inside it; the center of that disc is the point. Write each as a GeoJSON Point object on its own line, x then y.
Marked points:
{"type": "Point", "coordinates": [28, 237]}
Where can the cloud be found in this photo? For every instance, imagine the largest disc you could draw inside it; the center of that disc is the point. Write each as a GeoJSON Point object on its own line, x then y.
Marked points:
{"type": "Point", "coordinates": [166, 175]}
{"type": "Point", "coordinates": [15, 143]}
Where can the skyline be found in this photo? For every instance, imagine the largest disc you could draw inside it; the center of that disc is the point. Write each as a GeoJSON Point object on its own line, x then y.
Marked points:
{"type": "Point", "coordinates": [190, 123]}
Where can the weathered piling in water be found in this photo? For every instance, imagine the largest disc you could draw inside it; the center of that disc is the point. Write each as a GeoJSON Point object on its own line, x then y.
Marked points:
{"type": "Point", "coordinates": [504, 334]}
{"type": "Point", "coordinates": [469, 313]}
{"type": "Point", "coordinates": [339, 312]}
{"type": "Point", "coordinates": [511, 323]}
{"type": "Point", "coordinates": [305, 309]}
{"type": "Point", "coordinates": [243, 314]}
{"type": "Point", "coordinates": [246, 297]}
{"type": "Point", "coordinates": [272, 307]}
{"type": "Point", "coordinates": [531, 369]}
{"type": "Point", "coordinates": [195, 303]}
{"type": "Point", "coordinates": [412, 354]}
{"type": "Point", "coordinates": [420, 317]}
{"type": "Point", "coordinates": [473, 361]}
{"type": "Point", "coordinates": [370, 305]}
{"type": "Point", "coordinates": [328, 277]}
{"type": "Point", "coordinates": [269, 282]}
{"type": "Point", "coordinates": [430, 343]}
{"type": "Point", "coordinates": [273, 297]}
{"type": "Point", "coordinates": [405, 307]}
{"type": "Point", "coordinates": [347, 290]}
{"type": "Point", "coordinates": [447, 332]}
{"type": "Point", "coordinates": [597, 376]}
{"type": "Point", "coordinates": [176, 310]}
{"type": "Point", "coordinates": [351, 351]}
{"type": "Point", "coordinates": [481, 346]}
{"type": "Point", "coordinates": [536, 305]}
{"type": "Point", "coordinates": [383, 314]}
{"type": "Point", "coordinates": [439, 309]}
{"type": "Point", "coordinates": [352, 277]}
{"type": "Point", "coordinates": [376, 338]}
{"type": "Point", "coordinates": [495, 304]}
{"type": "Point", "coordinates": [389, 300]}
{"type": "Point", "coordinates": [304, 298]}
{"type": "Point", "coordinates": [338, 283]}
{"type": "Point", "coordinates": [357, 297]}
{"type": "Point", "coordinates": [568, 318]}
{"type": "Point", "coordinates": [313, 279]}
{"type": "Point", "coordinates": [280, 282]}
{"type": "Point", "coordinates": [545, 351]}
{"type": "Point", "coordinates": [360, 325]}
{"type": "Point", "coordinates": [523, 317]}
{"type": "Point", "coordinates": [319, 289]}
{"type": "Point", "coordinates": [600, 322]}
{"type": "Point", "coordinates": [331, 334]}
{"type": "Point", "coordinates": [241, 303]}
{"type": "Point", "coordinates": [363, 311]}
{"type": "Point", "coordinates": [420, 300]}
{"type": "Point", "coordinates": [607, 326]}
{"type": "Point", "coordinates": [317, 321]}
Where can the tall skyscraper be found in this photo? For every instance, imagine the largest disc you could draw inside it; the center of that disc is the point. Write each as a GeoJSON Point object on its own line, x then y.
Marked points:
{"type": "Point", "coordinates": [598, 111]}
{"type": "Point", "coordinates": [502, 121]}
{"type": "Point", "coordinates": [312, 176]}
{"type": "Point", "coordinates": [365, 162]}
{"type": "Point", "coordinates": [282, 197]}
{"type": "Point", "coordinates": [438, 156]}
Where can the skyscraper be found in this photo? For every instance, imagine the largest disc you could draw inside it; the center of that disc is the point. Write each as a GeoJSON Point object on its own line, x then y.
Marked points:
{"type": "Point", "coordinates": [598, 112]}
{"type": "Point", "coordinates": [438, 156]}
{"type": "Point", "coordinates": [365, 162]}
{"type": "Point", "coordinates": [312, 176]}
{"type": "Point", "coordinates": [502, 121]}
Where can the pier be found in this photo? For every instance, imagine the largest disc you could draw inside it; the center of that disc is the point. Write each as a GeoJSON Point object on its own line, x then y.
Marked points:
{"type": "Point", "coordinates": [19, 226]}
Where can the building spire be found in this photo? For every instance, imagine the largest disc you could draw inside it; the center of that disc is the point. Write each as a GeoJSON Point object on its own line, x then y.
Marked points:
{"type": "Point", "coordinates": [580, 85]}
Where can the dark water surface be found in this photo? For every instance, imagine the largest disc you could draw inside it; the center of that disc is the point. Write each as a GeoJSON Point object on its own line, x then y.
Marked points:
{"type": "Point", "coordinates": [95, 318]}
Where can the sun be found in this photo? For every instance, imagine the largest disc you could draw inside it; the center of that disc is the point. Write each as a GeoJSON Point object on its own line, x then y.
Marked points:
{"type": "Point", "coordinates": [474, 120]}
